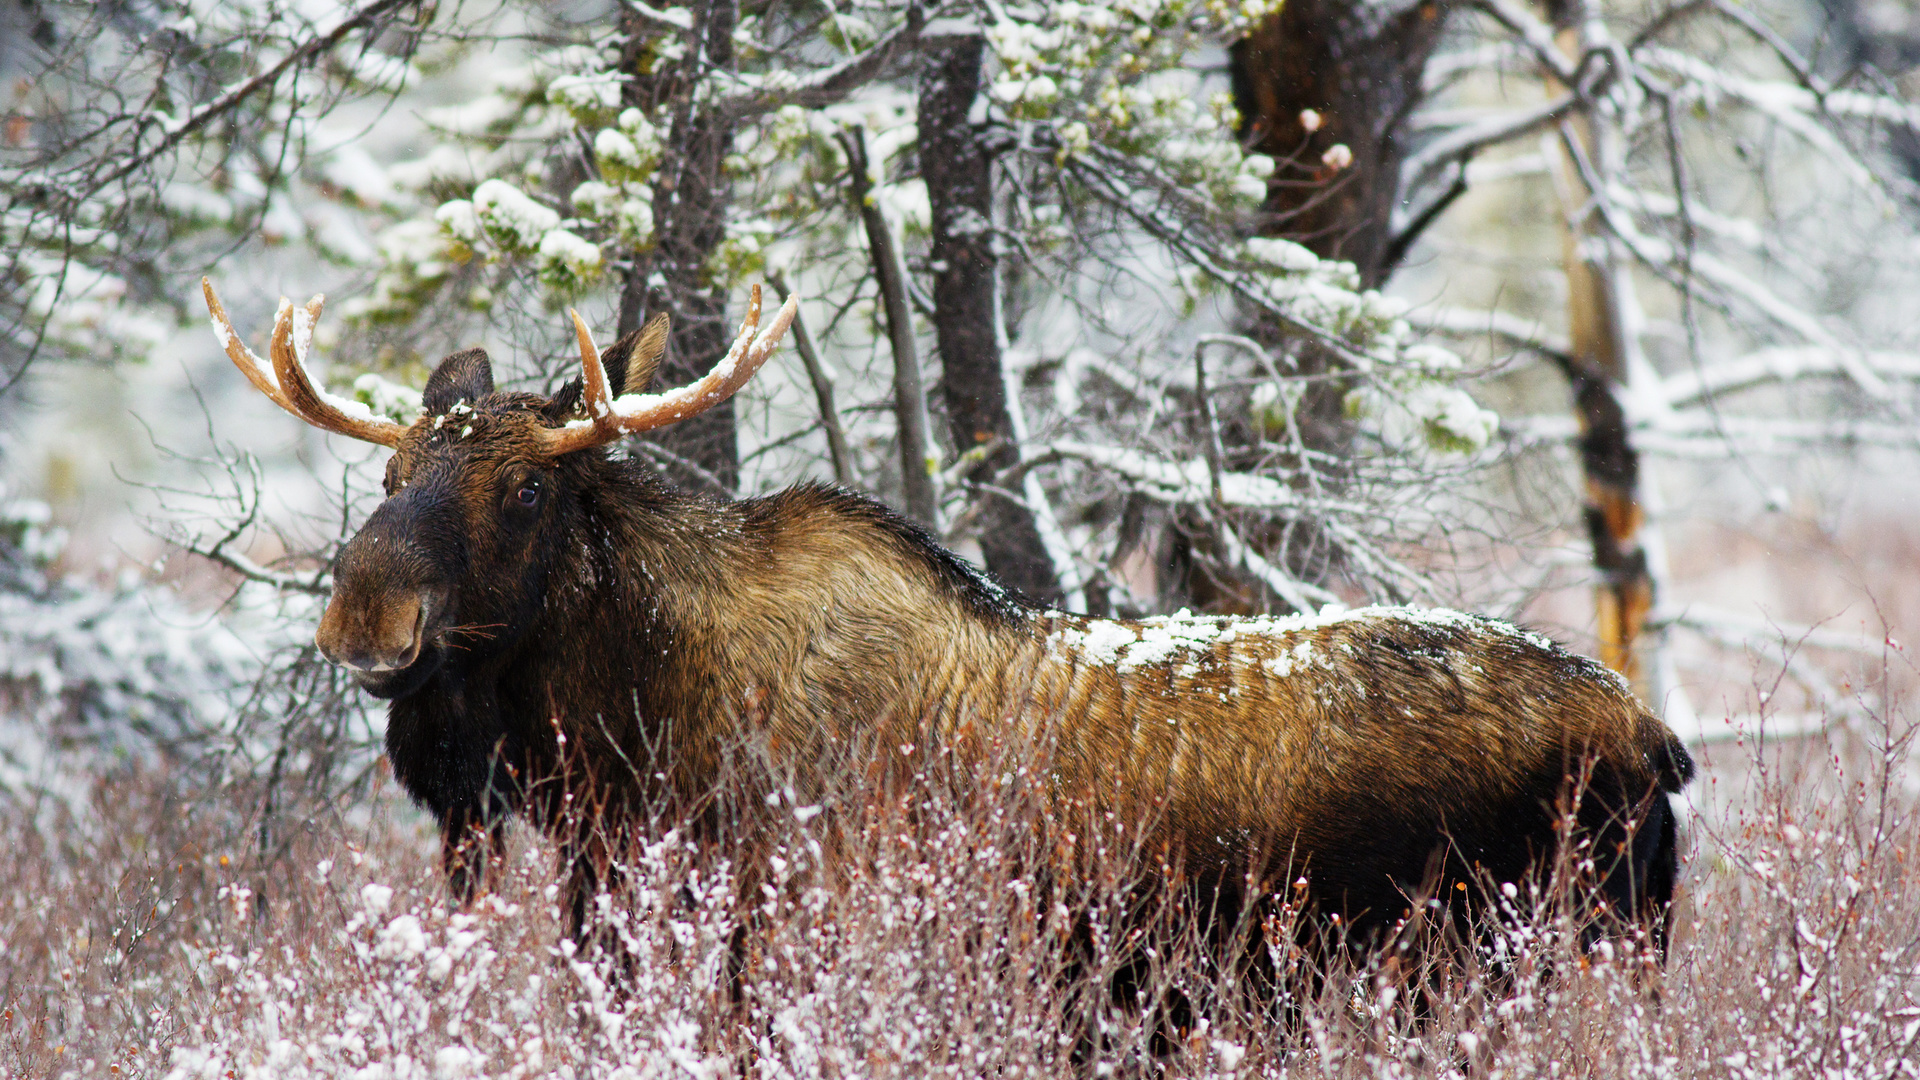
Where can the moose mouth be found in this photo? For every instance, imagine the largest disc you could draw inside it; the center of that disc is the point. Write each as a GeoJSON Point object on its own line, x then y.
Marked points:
{"type": "Point", "coordinates": [400, 682]}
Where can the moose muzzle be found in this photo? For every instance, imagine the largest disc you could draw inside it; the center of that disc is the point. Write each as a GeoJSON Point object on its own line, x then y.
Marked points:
{"type": "Point", "coordinates": [391, 596]}
{"type": "Point", "coordinates": [377, 634]}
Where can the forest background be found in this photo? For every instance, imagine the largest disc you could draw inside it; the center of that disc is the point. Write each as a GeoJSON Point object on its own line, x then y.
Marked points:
{"type": "Point", "coordinates": [1597, 315]}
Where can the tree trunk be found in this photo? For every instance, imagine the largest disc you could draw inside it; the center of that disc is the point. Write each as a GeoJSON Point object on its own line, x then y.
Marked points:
{"type": "Point", "coordinates": [689, 211]}
{"type": "Point", "coordinates": [958, 168]}
{"type": "Point", "coordinates": [1358, 65]}
{"type": "Point", "coordinates": [1599, 371]}
{"type": "Point", "coordinates": [915, 436]}
{"type": "Point", "coordinates": [1318, 75]}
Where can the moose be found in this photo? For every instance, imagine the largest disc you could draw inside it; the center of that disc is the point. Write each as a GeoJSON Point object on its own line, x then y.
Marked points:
{"type": "Point", "coordinates": [555, 625]}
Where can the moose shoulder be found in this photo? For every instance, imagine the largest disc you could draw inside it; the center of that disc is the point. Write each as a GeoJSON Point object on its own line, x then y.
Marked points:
{"type": "Point", "coordinates": [553, 624]}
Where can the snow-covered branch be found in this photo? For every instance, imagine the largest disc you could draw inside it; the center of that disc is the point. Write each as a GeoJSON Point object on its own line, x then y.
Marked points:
{"type": "Point", "coordinates": [1422, 166]}
{"type": "Point", "coordinates": [311, 584]}
{"type": "Point", "coordinates": [1299, 595]}
{"type": "Point", "coordinates": [1705, 436]}
{"type": "Point", "coordinates": [1780, 365]}
{"type": "Point", "coordinates": [1536, 35]}
{"type": "Point", "coordinates": [1794, 107]}
{"type": "Point", "coordinates": [240, 92]}
{"type": "Point", "coordinates": [779, 89]}
{"type": "Point", "coordinates": [1185, 483]}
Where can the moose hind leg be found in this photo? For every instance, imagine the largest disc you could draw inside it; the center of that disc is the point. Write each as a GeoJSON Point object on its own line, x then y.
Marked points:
{"type": "Point", "coordinates": [1632, 843]}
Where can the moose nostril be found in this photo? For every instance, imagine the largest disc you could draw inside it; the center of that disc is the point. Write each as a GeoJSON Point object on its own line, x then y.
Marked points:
{"type": "Point", "coordinates": [385, 634]}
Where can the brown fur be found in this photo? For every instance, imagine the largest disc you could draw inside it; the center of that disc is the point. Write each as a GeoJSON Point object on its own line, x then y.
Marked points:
{"type": "Point", "coordinates": [659, 632]}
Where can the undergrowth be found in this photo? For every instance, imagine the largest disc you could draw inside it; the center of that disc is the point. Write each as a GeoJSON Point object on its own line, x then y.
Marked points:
{"type": "Point", "coordinates": [916, 935]}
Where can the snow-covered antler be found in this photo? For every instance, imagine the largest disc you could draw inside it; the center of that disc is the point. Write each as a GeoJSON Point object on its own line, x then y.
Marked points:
{"type": "Point", "coordinates": [609, 417]}
{"type": "Point", "coordinates": [285, 381]}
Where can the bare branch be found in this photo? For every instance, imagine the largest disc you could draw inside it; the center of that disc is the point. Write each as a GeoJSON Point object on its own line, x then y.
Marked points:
{"type": "Point", "coordinates": [366, 17]}
{"type": "Point", "coordinates": [822, 391]}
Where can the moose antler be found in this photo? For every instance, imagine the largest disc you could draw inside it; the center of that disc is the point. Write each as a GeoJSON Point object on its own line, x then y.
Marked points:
{"type": "Point", "coordinates": [285, 380]}
{"type": "Point", "coordinates": [608, 417]}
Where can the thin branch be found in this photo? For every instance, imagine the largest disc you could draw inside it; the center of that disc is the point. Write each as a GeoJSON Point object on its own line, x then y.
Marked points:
{"type": "Point", "coordinates": [1403, 240]}
{"type": "Point", "coordinates": [317, 585]}
{"type": "Point", "coordinates": [1297, 594]}
{"type": "Point", "coordinates": [1783, 365]}
{"type": "Point", "coordinates": [909, 392]}
{"type": "Point", "coordinates": [1718, 621]}
{"type": "Point", "coordinates": [1216, 454]}
{"type": "Point", "coordinates": [1116, 192]}
{"type": "Point", "coordinates": [1470, 140]}
{"type": "Point", "coordinates": [1470, 322]}
{"type": "Point", "coordinates": [1537, 36]}
{"type": "Point", "coordinates": [227, 101]}
{"type": "Point", "coordinates": [822, 390]}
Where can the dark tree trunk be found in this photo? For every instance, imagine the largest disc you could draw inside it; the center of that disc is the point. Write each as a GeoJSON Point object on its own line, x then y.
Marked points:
{"type": "Point", "coordinates": [1358, 64]}
{"type": "Point", "coordinates": [689, 217]}
{"type": "Point", "coordinates": [957, 165]}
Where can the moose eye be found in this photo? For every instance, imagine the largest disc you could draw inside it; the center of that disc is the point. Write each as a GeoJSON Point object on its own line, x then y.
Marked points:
{"type": "Point", "coordinates": [528, 495]}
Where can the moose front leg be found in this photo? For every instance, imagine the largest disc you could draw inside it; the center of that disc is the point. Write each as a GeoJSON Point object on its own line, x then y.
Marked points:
{"type": "Point", "coordinates": [591, 869]}
{"type": "Point", "coordinates": [470, 841]}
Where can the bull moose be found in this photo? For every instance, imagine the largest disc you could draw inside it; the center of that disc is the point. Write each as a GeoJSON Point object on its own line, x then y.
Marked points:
{"type": "Point", "coordinates": [550, 620]}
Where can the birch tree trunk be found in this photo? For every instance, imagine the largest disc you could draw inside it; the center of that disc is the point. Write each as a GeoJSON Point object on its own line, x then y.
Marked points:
{"type": "Point", "coordinates": [957, 165]}
{"type": "Point", "coordinates": [1599, 369]}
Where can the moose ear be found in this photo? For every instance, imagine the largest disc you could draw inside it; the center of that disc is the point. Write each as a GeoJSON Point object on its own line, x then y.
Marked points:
{"type": "Point", "coordinates": [465, 376]}
{"type": "Point", "coordinates": [562, 405]}
{"type": "Point", "coordinates": [631, 362]}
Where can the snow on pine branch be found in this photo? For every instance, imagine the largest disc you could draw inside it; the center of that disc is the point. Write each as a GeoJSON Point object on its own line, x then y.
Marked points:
{"type": "Point", "coordinates": [90, 676]}
{"type": "Point", "coordinates": [1179, 482]}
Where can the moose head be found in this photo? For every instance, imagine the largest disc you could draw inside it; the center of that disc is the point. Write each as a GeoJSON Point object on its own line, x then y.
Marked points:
{"type": "Point", "coordinates": [482, 490]}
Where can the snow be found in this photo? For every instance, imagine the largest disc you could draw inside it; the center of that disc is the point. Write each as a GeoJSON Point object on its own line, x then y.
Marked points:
{"type": "Point", "coordinates": [563, 252]}
{"type": "Point", "coordinates": [460, 220]}
{"type": "Point", "coordinates": [1129, 645]}
{"type": "Point", "coordinates": [1283, 254]}
{"type": "Point", "coordinates": [1100, 641]}
{"type": "Point", "coordinates": [303, 330]}
{"type": "Point", "coordinates": [512, 218]}
{"type": "Point", "coordinates": [352, 169]}
{"type": "Point", "coordinates": [612, 145]}
{"type": "Point", "coordinates": [586, 95]}
{"type": "Point", "coordinates": [376, 898]}
{"type": "Point", "coordinates": [90, 676]}
{"type": "Point", "coordinates": [383, 397]}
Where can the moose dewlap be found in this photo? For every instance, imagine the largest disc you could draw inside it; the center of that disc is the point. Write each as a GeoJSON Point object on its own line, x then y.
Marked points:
{"type": "Point", "coordinates": [558, 628]}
